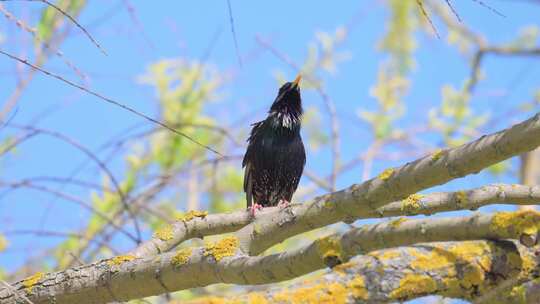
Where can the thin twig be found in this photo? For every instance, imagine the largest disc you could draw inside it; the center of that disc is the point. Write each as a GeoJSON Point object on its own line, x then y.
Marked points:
{"type": "Point", "coordinates": [453, 10]}
{"type": "Point", "coordinates": [231, 21]}
{"type": "Point", "coordinates": [133, 15]}
{"type": "Point", "coordinates": [61, 11]}
{"type": "Point", "coordinates": [109, 100]}
{"type": "Point", "coordinates": [73, 199]}
{"type": "Point", "coordinates": [489, 8]}
{"type": "Point", "coordinates": [422, 9]}
{"type": "Point", "coordinates": [102, 165]}
{"type": "Point", "coordinates": [32, 32]}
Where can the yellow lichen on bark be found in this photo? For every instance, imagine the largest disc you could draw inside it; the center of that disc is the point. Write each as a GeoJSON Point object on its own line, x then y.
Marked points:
{"type": "Point", "coordinates": [465, 266]}
{"type": "Point", "coordinates": [342, 268]}
{"type": "Point", "coordinates": [437, 155]}
{"type": "Point", "coordinates": [519, 294]}
{"type": "Point", "coordinates": [412, 202]}
{"type": "Point", "coordinates": [438, 257]}
{"type": "Point", "coordinates": [514, 224]}
{"type": "Point", "coordinates": [192, 214]}
{"type": "Point", "coordinates": [434, 259]}
{"type": "Point", "coordinates": [386, 174]}
{"type": "Point", "coordinates": [329, 248]}
{"type": "Point", "coordinates": [321, 293]}
{"type": "Point", "coordinates": [461, 197]}
{"type": "Point", "coordinates": [414, 285]}
{"type": "Point", "coordinates": [117, 260]}
{"type": "Point", "coordinates": [164, 233]}
{"type": "Point", "coordinates": [528, 263]}
{"type": "Point", "coordinates": [31, 281]}
{"type": "Point", "coordinates": [256, 298]}
{"type": "Point", "coordinates": [386, 255]}
{"type": "Point", "coordinates": [473, 275]}
{"type": "Point", "coordinates": [222, 248]}
{"type": "Point", "coordinates": [473, 252]}
{"type": "Point", "coordinates": [358, 287]}
{"type": "Point", "coordinates": [397, 222]}
{"type": "Point", "coordinates": [181, 257]}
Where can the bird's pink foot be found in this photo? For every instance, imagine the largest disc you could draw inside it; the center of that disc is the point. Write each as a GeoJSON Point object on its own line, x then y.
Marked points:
{"type": "Point", "coordinates": [283, 204]}
{"type": "Point", "coordinates": [254, 207]}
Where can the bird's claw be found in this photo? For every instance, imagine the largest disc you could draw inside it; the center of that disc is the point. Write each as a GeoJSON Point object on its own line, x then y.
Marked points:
{"type": "Point", "coordinates": [253, 208]}
{"type": "Point", "coordinates": [283, 204]}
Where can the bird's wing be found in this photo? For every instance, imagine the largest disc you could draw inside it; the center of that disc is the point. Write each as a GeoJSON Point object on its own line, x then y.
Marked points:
{"type": "Point", "coordinates": [248, 184]}
{"type": "Point", "coordinates": [247, 162]}
{"type": "Point", "coordinates": [296, 169]}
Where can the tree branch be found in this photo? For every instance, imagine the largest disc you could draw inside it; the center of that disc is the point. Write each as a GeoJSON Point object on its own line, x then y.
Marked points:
{"type": "Point", "coordinates": [463, 270]}
{"type": "Point", "coordinates": [205, 225]}
{"type": "Point", "coordinates": [126, 277]}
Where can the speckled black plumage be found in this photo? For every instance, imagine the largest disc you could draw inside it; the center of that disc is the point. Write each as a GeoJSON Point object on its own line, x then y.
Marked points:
{"type": "Point", "coordinates": [275, 157]}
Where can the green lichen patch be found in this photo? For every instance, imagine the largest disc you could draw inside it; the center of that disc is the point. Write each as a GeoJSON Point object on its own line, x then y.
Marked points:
{"type": "Point", "coordinates": [192, 214]}
{"type": "Point", "coordinates": [31, 281]}
{"type": "Point", "coordinates": [223, 248]}
{"type": "Point", "coordinates": [515, 224]}
{"type": "Point", "coordinates": [117, 260]}
{"type": "Point", "coordinates": [397, 222]}
{"type": "Point", "coordinates": [181, 257]}
{"type": "Point", "coordinates": [519, 294]}
{"type": "Point", "coordinates": [461, 198]}
{"type": "Point", "coordinates": [386, 174]}
{"type": "Point", "coordinates": [412, 202]}
{"type": "Point", "coordinates": [437, 155]}
{"type": "Point", "coordinates": [329, 204]}
{"type": "Point", "coordinates": [164, 233]}
{"type": "Point", "coordinates": [330, 250]}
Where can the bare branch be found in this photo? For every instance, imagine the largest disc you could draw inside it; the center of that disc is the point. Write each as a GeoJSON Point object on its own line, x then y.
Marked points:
{"type": "Point", "coordinates": [500, 51]}
{"type": "Point", "coordinates": [102, 166]}
{"type": "Point", "coordinates": [423, 10]}
{"type": "Point", "coordinates": [73, 199]}
{"type": "Point", "coordinates": [223, 262]}
{"type": "Point", "coordinates": [61, 11]}
{"type": "Point", "coordinates": [463, 270]}
{"type": "Point", "coordinates": [231, 21]}
{"type": "Point", "coordinates": [109, 100]}
{"type": "Point", "coordinates": [32, 32]}
{"type": "Point", "coordinates": [212, 224]}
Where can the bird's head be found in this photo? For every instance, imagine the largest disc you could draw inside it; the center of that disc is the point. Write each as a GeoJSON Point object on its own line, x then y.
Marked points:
{"type": "Point", "coordinates": [288, 100]}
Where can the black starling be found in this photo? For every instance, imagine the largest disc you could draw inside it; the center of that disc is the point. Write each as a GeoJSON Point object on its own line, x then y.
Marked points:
{"type": "Point", "coordinates": [275, 155]}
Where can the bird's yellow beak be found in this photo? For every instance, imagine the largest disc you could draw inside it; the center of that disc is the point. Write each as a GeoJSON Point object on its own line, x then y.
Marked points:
{"type": "Point", "coordinates": [296, 81]}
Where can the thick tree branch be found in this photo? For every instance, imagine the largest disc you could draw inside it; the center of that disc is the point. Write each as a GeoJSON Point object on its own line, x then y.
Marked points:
{"type": "Point", "coordinates": [463, 270]}
{"type": "Point", "coordinates": [391, 185]}
{"type": "Point", "coordinates": [126, 277]}
{"type": "Point", "coordinates": [198, 224]}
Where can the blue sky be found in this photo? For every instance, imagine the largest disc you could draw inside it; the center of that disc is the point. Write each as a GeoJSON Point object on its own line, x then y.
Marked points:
{"type": "Point", "coordinates": [186, 28]}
